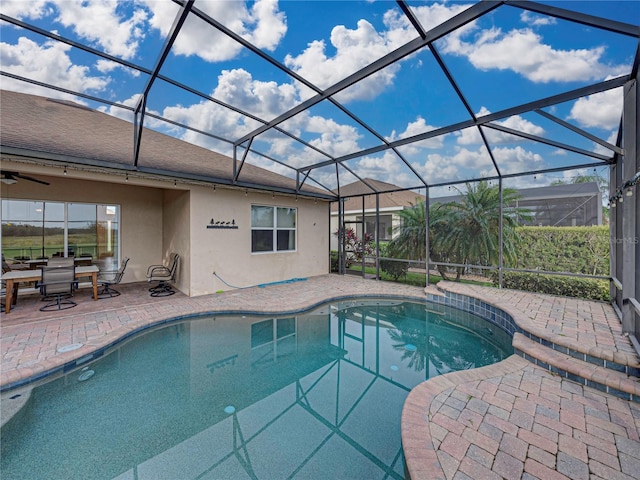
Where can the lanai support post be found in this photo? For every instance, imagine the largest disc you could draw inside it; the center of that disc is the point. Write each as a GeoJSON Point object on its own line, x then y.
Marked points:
{"type": "Point", "coordinates": [500, 234]}
{"type": "Point", "coordinates": [629, 210]}
{"type": "Point", "coordinates": [377, 236]}
{"type": "Point", "coordinates": [341, 259]}
{"type": "Point", "coordinates": [364, 224]}
{"type": "Point", "coordinates": [427, 246]}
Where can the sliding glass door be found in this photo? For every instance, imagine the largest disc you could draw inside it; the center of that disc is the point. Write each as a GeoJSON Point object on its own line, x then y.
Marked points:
{"type": "Point", "coordinates": [33, 230]}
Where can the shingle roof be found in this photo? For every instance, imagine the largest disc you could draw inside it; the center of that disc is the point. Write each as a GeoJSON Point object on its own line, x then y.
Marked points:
{"type": "Point", "coordinates": [391, 199]}
{"type": "Point", "coordinates": [55, 130]}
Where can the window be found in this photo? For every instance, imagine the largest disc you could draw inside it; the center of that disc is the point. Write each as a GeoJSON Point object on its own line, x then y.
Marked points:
{"type": "Point", "coordinates": [273, 229]}
{"type": "Point", "coordinates": [272, 340]}
{"type": "Point", "coordinates": [32, 229]}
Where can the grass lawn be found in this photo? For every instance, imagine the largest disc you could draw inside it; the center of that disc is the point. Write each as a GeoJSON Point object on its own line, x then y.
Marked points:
{"type": "Point", "coordinates": [412, 278]}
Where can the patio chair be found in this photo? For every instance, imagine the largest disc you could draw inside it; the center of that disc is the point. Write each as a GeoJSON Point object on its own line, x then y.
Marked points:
{"type": "Point", "coordinates": [163, 275]}
{"type": "Point", "coordinates": [108, 278]}
{"type": "Point", "coordinates": [60, 262]}
{"type": "Point", "coordinates": [56, 286]}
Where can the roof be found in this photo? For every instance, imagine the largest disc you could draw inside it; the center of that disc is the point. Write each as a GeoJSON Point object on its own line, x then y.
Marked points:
{"type": "Point", "coordinates": [69, 133]}
{"type": "Point", "coordinates": [392, 196]}
{"type": "Point", "coordinates": [568, 190]}
{"type": "Point", "coordinates": [329, 93]}
{"type": "Point", "coordinates": [398, 200]}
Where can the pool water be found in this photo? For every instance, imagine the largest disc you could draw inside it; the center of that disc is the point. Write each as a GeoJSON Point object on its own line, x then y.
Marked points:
{"type": "Point", "coordinates": [317, 395]}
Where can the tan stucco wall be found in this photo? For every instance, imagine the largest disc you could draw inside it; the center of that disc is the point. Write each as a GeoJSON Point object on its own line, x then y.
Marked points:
{"type": "Point", "coordinates": [141, 218]}
{"type": "Point", "coordinates": [228, 252]}
{"type": "Point", "coordinates": [158, 217]}
{"type": "Point", "coordinates": [176, 234]}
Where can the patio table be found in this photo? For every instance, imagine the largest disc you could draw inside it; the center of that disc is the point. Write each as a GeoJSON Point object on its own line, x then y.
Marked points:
{"type": "Point", "coordinates": [14, 277]}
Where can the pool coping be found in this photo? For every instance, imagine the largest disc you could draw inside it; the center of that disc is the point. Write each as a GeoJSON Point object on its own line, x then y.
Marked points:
{"type": "Point", "coordinates": [86, 354]}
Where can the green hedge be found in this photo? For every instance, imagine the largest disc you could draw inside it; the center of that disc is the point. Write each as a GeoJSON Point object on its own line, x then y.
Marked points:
{"type": "Point", "coordinates": [564, 249]}
{"type": "Point", "coordinates": [394, 268]}
{"type": "Point", "coordinates": [555, 285]}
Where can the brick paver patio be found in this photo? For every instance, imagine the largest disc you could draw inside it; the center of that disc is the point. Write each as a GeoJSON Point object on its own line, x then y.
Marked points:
{"type": "Point", "coordinates": [514, 419]}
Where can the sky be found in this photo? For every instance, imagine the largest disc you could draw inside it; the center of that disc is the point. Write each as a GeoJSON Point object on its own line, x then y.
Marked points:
{"type": "Point", "coordinates": [503, 59]}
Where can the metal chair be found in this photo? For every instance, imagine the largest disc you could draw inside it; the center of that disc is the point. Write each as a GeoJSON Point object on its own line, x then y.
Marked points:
{"type": "Point", "coordinates": [163, 275]}
{"type": "Point", "coordinates": [56, 285]}
{"type": "Point", "coordinates": [60, 262]}
{"type": "Point", "coordinates": [108, 278]}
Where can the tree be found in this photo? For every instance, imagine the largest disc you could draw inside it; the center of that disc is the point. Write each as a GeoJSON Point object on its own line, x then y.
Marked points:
{"type": "Point", "coordinates": [464, 232]}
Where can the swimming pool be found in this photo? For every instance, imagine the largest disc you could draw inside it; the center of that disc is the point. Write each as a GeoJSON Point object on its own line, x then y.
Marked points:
{"type": "Point", "coordinates": [313, 395]}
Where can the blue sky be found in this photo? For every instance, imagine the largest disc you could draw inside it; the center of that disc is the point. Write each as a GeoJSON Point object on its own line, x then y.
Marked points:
{"type": "Point", "coordinates": [506, 58]}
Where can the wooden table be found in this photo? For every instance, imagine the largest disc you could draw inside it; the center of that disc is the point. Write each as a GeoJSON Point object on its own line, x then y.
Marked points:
{"type": "Point", "coordinates": [14, 277]}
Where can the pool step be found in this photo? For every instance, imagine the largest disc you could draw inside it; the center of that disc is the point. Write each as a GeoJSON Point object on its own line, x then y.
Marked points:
{"type": "Point", "coordinates": [599, 377]}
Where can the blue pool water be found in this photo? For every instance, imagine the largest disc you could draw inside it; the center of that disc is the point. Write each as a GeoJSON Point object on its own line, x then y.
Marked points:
{"type": "Point", "coordinates": [317, 395]}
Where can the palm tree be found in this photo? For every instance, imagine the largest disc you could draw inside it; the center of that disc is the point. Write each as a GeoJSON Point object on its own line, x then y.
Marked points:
{"type": "Point", "coordinates": [463, 232]}
{"type": "Point", "coordinates": [474, 224]}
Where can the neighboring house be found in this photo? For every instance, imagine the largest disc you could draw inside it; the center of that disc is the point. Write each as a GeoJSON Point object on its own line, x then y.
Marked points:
{"type": "Point", "coordinates": [390, 204]}
{"type": "Point", "coordinates": [578, 204]}
{"type": "Point", "coordinates": [258, 229]}
{"type": "Point", "coordinates": [566, 205]}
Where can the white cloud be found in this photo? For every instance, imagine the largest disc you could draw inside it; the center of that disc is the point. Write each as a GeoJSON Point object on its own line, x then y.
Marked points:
{"type": "Point", "coordinates": [415, 128]}
{"type": "Point", "coordinates": [270, 24]}
{"type": "Point", "coordinates": [355, 49]}
{"type": "Point", "coordinates": [471, 136]}
{"type": "Point", "coordinates": [99, 22]}
{"type": "Point", "coordinates": [20, 9]}
{"type": "Point", "coordinates": [121, 112]}
{"type": "Point", "coordinates": [359, 47]}
{"type": "Point", "coordinates": [536, 20]}
{"type": "Point", "coordinates": [47, 63]}
{"type": "Point", "coordinates": [106, 66]}
{"type": "Point", "coordinates": [461, 165]}
{"type": "Point", "coordinates": [601, 110]}
{"type": "Point", "coordinates": [524, 52]}
{"type": "Point", "coordinates": [386, 168]}
{"type": "Point", "coordinates": [516, 160]}
{"type": "Point", "coordinates": [597, 148]}
{"type": "Point", "coordinates": [263, 24]}
{"type": "Point", "coordinates": [236, 87]}
{"type": "Point", "coordinates": [263, 99]}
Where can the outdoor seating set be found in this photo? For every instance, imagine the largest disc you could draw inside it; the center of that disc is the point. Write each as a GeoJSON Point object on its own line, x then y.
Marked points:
{"type": "Point", "coordinates": [58, 279]}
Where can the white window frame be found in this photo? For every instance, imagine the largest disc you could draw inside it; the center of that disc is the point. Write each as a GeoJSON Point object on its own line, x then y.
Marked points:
{"type": "Point", "coordinates": [275, 229]}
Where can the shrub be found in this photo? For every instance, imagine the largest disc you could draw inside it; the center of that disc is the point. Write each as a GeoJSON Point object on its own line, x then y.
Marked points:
{"type": "Point", "coordinates": [565, 249]}
{"type": "Point", "coordinates": [354, 247]}
{"type": "Point", "coordinates": [334, 261]}
{"type": "Point", "coordinates": [394, 268]}
{"type": "Point", "coordinates": [555, 285]}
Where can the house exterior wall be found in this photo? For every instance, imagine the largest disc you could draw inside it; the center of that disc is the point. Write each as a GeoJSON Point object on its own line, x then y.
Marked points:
{"type": "Point", "coordinates": [158, 217]}
{"type": "Point", "coordinates": [141, 211]}
{"type": "Point", "coordinates": [352, 217]}
{"type": "Point", "coordinates": [176, 234]}
{"type": "Point", "coordinates": [228, 251]}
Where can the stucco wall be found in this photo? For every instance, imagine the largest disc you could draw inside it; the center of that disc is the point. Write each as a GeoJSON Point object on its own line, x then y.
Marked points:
{"type": "Point", "coordinates": [176, 237]}
{"type": "Point", "coordinates": [141, 218]}
{"type": "Point", "coordinates": [228, 251]}
{"type": "Point", "coordinates": [158, 218]}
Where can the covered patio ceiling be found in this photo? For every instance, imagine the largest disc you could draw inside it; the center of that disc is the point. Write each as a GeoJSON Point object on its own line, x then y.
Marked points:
{"type": "Point", "coordinates": [412, 94]}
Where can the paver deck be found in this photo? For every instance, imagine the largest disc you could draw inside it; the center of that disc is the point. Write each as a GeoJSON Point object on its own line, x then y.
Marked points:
{"type": "Point", "coordinates": [510, 420]}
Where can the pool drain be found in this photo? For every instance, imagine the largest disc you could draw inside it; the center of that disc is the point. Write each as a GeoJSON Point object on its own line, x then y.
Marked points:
{"type": "Point", "coordinates": [230, 409]}
{"type": "Point", "coordinates": [86, 374]}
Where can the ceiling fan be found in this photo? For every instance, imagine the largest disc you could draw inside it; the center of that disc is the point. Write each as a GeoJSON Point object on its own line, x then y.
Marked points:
{"type": "Point", "coordinates": [12, 177]}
